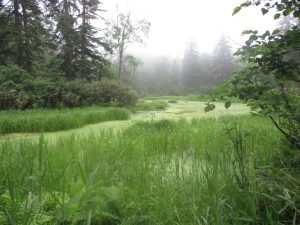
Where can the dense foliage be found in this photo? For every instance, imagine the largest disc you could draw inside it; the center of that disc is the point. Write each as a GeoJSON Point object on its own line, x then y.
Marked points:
{"type": "Point", "coordinates": [20, 90]}
{"type": "Point", "coordinates": [270, 81]}
{"type": "Point", "coordinates": [51, 55]}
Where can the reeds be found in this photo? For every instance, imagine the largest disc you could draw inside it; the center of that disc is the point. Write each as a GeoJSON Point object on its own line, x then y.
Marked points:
{"type": "Point", "coordinates": [44, 120]}
{"type": "Point", "coordinates": [165, 172]}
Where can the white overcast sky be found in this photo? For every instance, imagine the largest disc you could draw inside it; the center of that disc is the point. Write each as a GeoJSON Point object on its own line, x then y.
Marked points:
{"type": "Point", "coordinates": [175, 22]}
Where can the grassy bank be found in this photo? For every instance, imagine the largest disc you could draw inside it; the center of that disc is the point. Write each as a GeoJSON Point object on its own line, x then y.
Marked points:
{"type": "Point", "coordinates": [207, 171]}
{"type": "Point", "coordinates": [144, 105]}
{"type": "Point", "coordinates": [54, 120]}
{"type": "Point", "coordinates": [202, 98]}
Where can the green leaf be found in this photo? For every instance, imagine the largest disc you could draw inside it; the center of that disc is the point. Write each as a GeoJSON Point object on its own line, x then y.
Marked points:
{"type": "Point", "coordinates": [297, 14]}
{"type": "Point", "coordinates": [246, 4]}
{"type": "Point", "coordinates": [209, 107]}
{"type": "Point", "coordinates": [280, 7]}
{"type": "Point", "coordinates": [276, 31]}
{"type": "Point", "coordinates": [227, 104]}
{"type": "Point", "coordinates": [276, 16]}
{"type": "Point", "coordinates": [236, 10]}
{"type": "Point", "coordinates": [247, 32]}
{"type": "Point", "coordinates": [253, 37]}
{"type": "Point", "coordinates": [264, 11]}
{"type": "Point", "coordinates": [287, 11]}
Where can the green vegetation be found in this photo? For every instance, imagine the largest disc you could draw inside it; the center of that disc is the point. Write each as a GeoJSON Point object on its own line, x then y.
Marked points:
{"type": "Point", "coordinates": [270, 80]}
{"type": "Point", "coordinates": [147, 105]}
{"type": "Point", "coordinates": [200, 98]}
{"type": "Point", "coordinates": [181, 110]}
{"type": "Point", "coordinates": [54, 120]}
{"type": "Point", "coordinates": [169, 162]}
{"type": "Point", "coordinates": [173, 101]}
{"type": "Point", "coordinates": [19, 90]}
{"type": "Point", "coordinates": [208, 171]}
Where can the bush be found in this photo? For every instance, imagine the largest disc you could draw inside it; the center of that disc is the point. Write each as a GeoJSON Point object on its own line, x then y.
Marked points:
{"type": "Point", "coordinates": [111, 93]}
{"type": "Point", "coordinates": [12, 81]}
{"type": "Point", "coordinates": [19, 90]}
{"type": "Point", "coordinates": [127, 97]}
{"type": "Point", "coordinates": [13, 100]}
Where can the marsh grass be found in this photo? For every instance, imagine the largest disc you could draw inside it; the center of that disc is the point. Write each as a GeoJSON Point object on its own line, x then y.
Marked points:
{"type": "Point", "coordinates": [148, 105]}
{"type": "Point", "coordinates": [200, 97]}
{"type": "Point", "coordinates": [55, 120]}
{"type": "Point", "coordinates": [164, 172]}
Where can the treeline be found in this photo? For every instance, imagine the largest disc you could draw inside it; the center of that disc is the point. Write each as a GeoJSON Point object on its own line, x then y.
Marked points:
{"type": "Point", "coordinates": [52, 55]}
{"type": "Point", "coordinates": [195, 72]}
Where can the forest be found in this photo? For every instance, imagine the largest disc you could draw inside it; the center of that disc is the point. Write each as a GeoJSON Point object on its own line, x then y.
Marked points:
{"type": "Point", "coordinates": [117, 112]}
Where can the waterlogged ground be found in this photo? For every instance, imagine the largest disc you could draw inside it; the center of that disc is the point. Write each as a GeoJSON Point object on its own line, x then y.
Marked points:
{"type": "Point", "coordinates": [189, 110]}
{"type": "Point", "coordinates": [168, 172]}
{"type": "Point", "coordinates": [179, 110]}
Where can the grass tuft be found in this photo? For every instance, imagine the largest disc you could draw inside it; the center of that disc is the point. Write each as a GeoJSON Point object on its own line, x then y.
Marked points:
{"type": "Point", "coordinates": [149, 105]}
{"type": "Point", "coordinates": [44, 120]}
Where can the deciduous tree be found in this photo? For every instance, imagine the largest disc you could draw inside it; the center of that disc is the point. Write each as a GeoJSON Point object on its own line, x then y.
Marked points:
{"type": "Point", "coordinates": [124, 32]}
{"type": "Point", "coordinates": [270, 81]}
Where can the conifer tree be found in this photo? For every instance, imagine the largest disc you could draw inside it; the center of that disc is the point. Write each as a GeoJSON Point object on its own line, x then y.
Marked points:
{"type": "Point", "coordinates": [90, 59]}
{"type": "Point", "coordinates": [63, 16]}
{"type": "Point", "coordinates": [21, 32]}
{"type": "Point", "coordinates": [222, 61]}
{"type": "Point", "coordinates": [191, 67]}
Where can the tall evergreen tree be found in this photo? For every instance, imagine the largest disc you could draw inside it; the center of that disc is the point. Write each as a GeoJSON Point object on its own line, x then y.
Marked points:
{"type": "Point", "coordinates": [63, 16]}
{"type": "Point", "coordinates": [90, 59]}
{"type": "Point", "coordinates": [191, 67]}
{"type": "Point", "coordinates": [5, 21]}
{"type": "Point", "coordinates": [222, 61]}
{"type": "Point", "coordinates": [33, 32]}
{"type": "Point", "coordinates": [21, 32]}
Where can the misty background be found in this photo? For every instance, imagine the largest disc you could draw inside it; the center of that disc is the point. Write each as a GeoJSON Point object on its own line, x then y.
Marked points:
{"type": "Point", "coordinates": [190, 45]}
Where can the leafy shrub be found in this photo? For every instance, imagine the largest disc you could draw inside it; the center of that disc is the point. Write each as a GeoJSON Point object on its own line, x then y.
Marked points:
{"type": "Point", "coordinates": [110, 92]}
{"type": "Point", "coordinates": [70, 100]}
{"type": "Point", "coordinates": [126, 97]}
{"type": "Point", "coordinates": [13, 100]}
{"type": "Point", "coordinates": [19, 90]}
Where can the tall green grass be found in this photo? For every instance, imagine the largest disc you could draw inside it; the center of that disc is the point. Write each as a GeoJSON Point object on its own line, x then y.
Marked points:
{"type": "Point", "coordinates": [149, 106]}
{"type": "Point", "coordinates": [165, 172]}
{"type": "Point", "coordinates": [54, 120]}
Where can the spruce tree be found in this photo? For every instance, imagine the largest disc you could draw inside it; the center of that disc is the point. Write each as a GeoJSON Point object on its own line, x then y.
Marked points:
{"type": "Point", "coordinates": [21, 32]}
{"type": "Point", "coordinates": [62, 15]}
{"type": "Point", "coordinates": [222, 61]}
{"type": "Point", "coordinates": [191, 67]}
{"type": "Point", "coordinates": [90, 60]}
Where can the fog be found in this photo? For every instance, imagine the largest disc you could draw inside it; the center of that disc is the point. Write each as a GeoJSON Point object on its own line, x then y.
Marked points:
{"type": "Point", "coordinates": [176, 22]}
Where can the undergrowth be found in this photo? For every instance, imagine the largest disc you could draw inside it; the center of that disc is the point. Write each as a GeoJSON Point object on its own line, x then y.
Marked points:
{"type": "Point", "coordinates": [149, 106]}
{"type": "Point", "coordinates": [13, 121]}
{"type": "Point", "coordinates": [207, 171]}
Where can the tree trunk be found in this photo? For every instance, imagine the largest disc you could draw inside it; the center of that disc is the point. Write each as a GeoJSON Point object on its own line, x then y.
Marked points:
{"type": "Point", "coordinates": [68, 46]}
{"type": "Point", "coordinates": [83, 38]}
{"type": "Point", "coordinates": [121, 52]}
{"type": "Point", "coordinates": [27, 60]}
{"type": "Point", "coordinates": [18, 33]}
